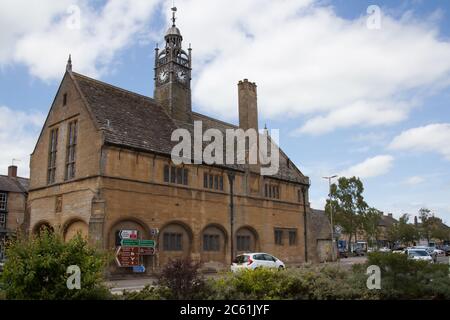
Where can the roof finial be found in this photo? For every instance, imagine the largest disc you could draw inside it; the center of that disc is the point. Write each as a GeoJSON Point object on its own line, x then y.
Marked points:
{"type": "Point", "coordinates": [69, 63]}
{"type": "Point", "coordinates": [174, 10]}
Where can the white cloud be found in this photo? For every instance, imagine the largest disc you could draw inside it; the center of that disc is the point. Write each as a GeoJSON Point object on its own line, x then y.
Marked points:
{"type": "Point", "coordinates": [311, 64]}
{"type": "Point", "coordinates": [40, 34]}
{"type": "Point", "coordinates": [430, 138]}
{"type": "Point", "coordinates": [413, 181]}
{"type": "Point", "coordinates": [18, 135]}
{"type": "Point", "coordinates": [371, 167]}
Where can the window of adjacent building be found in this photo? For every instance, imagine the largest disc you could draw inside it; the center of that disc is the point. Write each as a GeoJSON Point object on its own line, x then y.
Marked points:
{"type": "Point", "coordinates": [211, 242]}
{"type": "Point", "coordinates": [3, 201]}
{"type": "Point", "coordinates": [51, 173]}
{"type": "Point", "coordinates": [3, 219]}
{"type": "Point", "coordinates": [71, 149]}
{"type": "Point", "coordinates": [272, 191]}
{"type": "Point", "coordinates": [172, 241]}
{"type": "Point", "coordinates": [292, 237]}
{"type": "Point", "coordinates": [213, 181]}
{"type": "Point", "coordinates": [243, 243]}
{"type": "Point", "coordinates": [278, 237]}
{"type": "Point", "coordinates": [176, 175]}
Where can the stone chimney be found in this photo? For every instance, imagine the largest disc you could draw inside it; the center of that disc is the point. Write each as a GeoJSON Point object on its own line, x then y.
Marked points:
{"type": "Point", "coordinates": [12, 171]}
{"type": "Point", "coordinates": [248, 106]}
{"type": "Point", "coordinates": [390, 215]}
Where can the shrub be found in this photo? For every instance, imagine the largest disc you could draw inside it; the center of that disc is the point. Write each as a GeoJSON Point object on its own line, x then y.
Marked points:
{"type": "Point", "coordinates": [36, 269]}
{"type": "Point", "coordinates": [306, 283]}
{"type": "Point", "coordinates": [402, 278]}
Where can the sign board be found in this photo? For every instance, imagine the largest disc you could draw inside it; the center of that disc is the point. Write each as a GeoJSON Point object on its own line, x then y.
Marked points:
{"type": "Point", "coordinates": [137, 243]}
{"type": "Point", "coordinates": [128, 234]}
{"type": "Point", "coordinates": [139, 269]}
{"type": "Point", "coordinates": [147, 251]}
{"type": "Point", "coordinates": [127, 257]}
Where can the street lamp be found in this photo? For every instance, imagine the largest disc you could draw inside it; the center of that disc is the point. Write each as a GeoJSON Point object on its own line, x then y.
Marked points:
{"type": "Point", "coordinates": [331, 215]}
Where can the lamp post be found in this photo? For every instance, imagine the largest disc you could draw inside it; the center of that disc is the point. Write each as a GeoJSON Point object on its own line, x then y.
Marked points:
{"type": "Point", "coordinates": [331, 215]}
{"type": "Point", "coordinates": [231, 177]}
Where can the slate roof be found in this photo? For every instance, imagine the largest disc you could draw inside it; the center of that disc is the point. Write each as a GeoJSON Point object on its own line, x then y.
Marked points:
{"type": "Point", "coordinates": [387, 221]}
{"type": "Point", "coordinates": [320, 225]}
{"type": "Point", "coordinates": [132, 120]}
{"type": "Point", "coordinates": [19, 185]}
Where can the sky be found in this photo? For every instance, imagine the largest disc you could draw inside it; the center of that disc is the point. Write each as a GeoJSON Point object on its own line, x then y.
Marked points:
{"type": "Point", "coordinates": [355, 87]}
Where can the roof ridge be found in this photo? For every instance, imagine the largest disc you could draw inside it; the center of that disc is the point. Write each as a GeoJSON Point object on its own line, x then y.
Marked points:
{"type": "Point", "coordinates": [112, 86]}
{"type": "Point", "coordinates": [211, 118]}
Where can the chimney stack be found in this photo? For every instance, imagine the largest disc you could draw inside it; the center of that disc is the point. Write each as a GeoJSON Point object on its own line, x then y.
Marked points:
{"type": "Point", "coordinates": [390, 215]}
{"type": "Point", "coordinates": [12, 171]}
{"type": "Point", "coordinates": [248, 106]}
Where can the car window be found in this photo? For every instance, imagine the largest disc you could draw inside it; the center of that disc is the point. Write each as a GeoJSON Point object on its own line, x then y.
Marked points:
{"type": "Point", "coordinates": [269, 258]}
{"type": "Point", "coordinates": [259, 257]}
{"type": "Point", "coordinates": [241, 259]}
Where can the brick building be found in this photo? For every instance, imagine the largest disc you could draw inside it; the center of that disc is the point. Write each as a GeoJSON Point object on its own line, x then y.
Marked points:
{"type": "Point", "coordinates": [103, 164]}
{"type": "Point", "coordinates": [13, 203]}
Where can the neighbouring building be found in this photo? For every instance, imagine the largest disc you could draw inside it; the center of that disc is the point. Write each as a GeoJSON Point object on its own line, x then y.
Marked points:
{"type": "Point", "coordinates": [382, 239]}
{"type": "Point", "coordinates": [321, 242]}
{"type": "Point", "coordinates": [13, 205]}
{"type": "Point", "coordinates": [102, 164]}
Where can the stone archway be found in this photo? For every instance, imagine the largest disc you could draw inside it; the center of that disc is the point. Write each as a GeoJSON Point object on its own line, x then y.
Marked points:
{"type": "Point", "coordinates": [175, 242]}
{"type": "Point", "coordinates": [246, 240]}
{"type": "Point", "coordinates": [213, 246]}
{"type": "Point", "coordinates": [73, 227]}
{"type": "Point", "coordinates": [41, 226]}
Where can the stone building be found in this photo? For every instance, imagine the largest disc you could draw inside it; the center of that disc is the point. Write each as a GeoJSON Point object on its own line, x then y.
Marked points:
{"type": "Point", "coordinates": [102, 164]}
{"type": "Point", "coordinates": [320, 233]}
{"type": "Point", "coordinates": [13, 203]}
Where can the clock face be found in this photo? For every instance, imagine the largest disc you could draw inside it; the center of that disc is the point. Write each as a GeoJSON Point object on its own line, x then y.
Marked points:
{"type": "Point", "coordinates": [163, 75]}
{"type": "Point", "coordinates": [182, 76]}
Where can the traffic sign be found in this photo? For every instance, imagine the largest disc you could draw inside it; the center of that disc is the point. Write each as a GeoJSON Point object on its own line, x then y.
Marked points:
{"type": "Point", "coordinates": [147, 251]}
{"type": "Point", "coordinates": [127, 257]}
{"type": "Point", "coordinates": [138, 243]}
{"type": "Point", "coordinates": [128, 234]}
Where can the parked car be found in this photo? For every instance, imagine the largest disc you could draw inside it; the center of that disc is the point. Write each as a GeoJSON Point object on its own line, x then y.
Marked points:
{"type": "Point", "coordinates": [256, 260]}
{"type": "Point", "coordinates": [439, 252]}
{"type": "Point", "coordinates": [385, 249]}
{"type": "Point", "coordinates": [343, 253]}
{"type": "Point", "coordinates": [359, 252]}
{"type": "Point", "coordinates": [419, 254]}
{"type": "Point", "coordinates": [446, 249]}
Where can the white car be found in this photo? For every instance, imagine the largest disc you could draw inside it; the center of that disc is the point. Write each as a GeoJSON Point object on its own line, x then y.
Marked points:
{"type": "Point", "coordinates": [419, 254]}
{"type": "Point", "coordinates": [385, 249]}
{"type": "Point", "coordinates": [439, 252]}
{"type": "Point", "coordinates": [253, 261]}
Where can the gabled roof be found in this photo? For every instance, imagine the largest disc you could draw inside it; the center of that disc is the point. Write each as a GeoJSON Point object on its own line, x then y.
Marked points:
{"type": "Point", "coordinates": [8, 184]}
{"type": "Point", "coordinates": [131, 120]}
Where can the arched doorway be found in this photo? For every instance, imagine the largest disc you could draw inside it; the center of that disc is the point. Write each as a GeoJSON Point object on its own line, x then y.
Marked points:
{"type": "Point", "coordinates": [175, 242]}
{"type": "Point", "coordinates": [41, 226]}
{"type": "Point", "coordinates": [246, 240]}
{"type": "Point", "coordinates": [213, 244]}
{"type": "Point", "coordinates": [74, 227]}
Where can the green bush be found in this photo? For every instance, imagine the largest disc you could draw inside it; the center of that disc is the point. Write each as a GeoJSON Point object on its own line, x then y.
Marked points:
{"type": "Point", "coordinates": [402, 278]}
{"type": "Point", "coordinates": [306, 283]}
{"type": "Point", "coordinates": [36, 269]}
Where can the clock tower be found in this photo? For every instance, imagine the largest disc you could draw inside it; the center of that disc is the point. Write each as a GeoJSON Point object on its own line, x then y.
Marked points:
{"type": "Point", "coordinates": [173, 75]}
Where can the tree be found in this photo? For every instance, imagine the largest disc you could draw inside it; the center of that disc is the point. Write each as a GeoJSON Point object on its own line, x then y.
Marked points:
{"type": "Point", "coordinates": [347, 202]}
{"type": "Point", "coordinates": [403, 231]}
{"type": "Point", "coordinates": [427, 221]}
{"type": "Point", "coordinates": [370, 220]}
{"type": "Point", "coordinates": [36, 269]}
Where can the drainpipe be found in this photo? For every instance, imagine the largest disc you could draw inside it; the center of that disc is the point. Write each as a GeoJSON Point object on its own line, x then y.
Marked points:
{"type": "Point", "coordinates": [305, 225]}
{"type": "Point", "coordinates": [231, 177]}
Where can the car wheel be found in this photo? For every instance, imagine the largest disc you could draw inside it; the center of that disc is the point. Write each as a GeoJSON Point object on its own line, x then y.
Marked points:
{"type": "Point", "coordinates": [280, 268]}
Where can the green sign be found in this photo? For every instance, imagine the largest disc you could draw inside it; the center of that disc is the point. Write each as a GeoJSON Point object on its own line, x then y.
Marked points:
{"type": "Point", "coordinates": [138, 243]}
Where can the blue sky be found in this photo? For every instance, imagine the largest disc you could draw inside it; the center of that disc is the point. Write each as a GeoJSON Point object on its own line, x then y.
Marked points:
{"type": "Point", "coordinates": [347, 99]}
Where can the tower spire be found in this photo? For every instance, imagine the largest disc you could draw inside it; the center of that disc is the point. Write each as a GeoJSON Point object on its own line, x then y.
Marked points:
{"type": "Point", "coordinates": [174, 11]}
{"type": "Point", "coordinates": [69, 63]}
